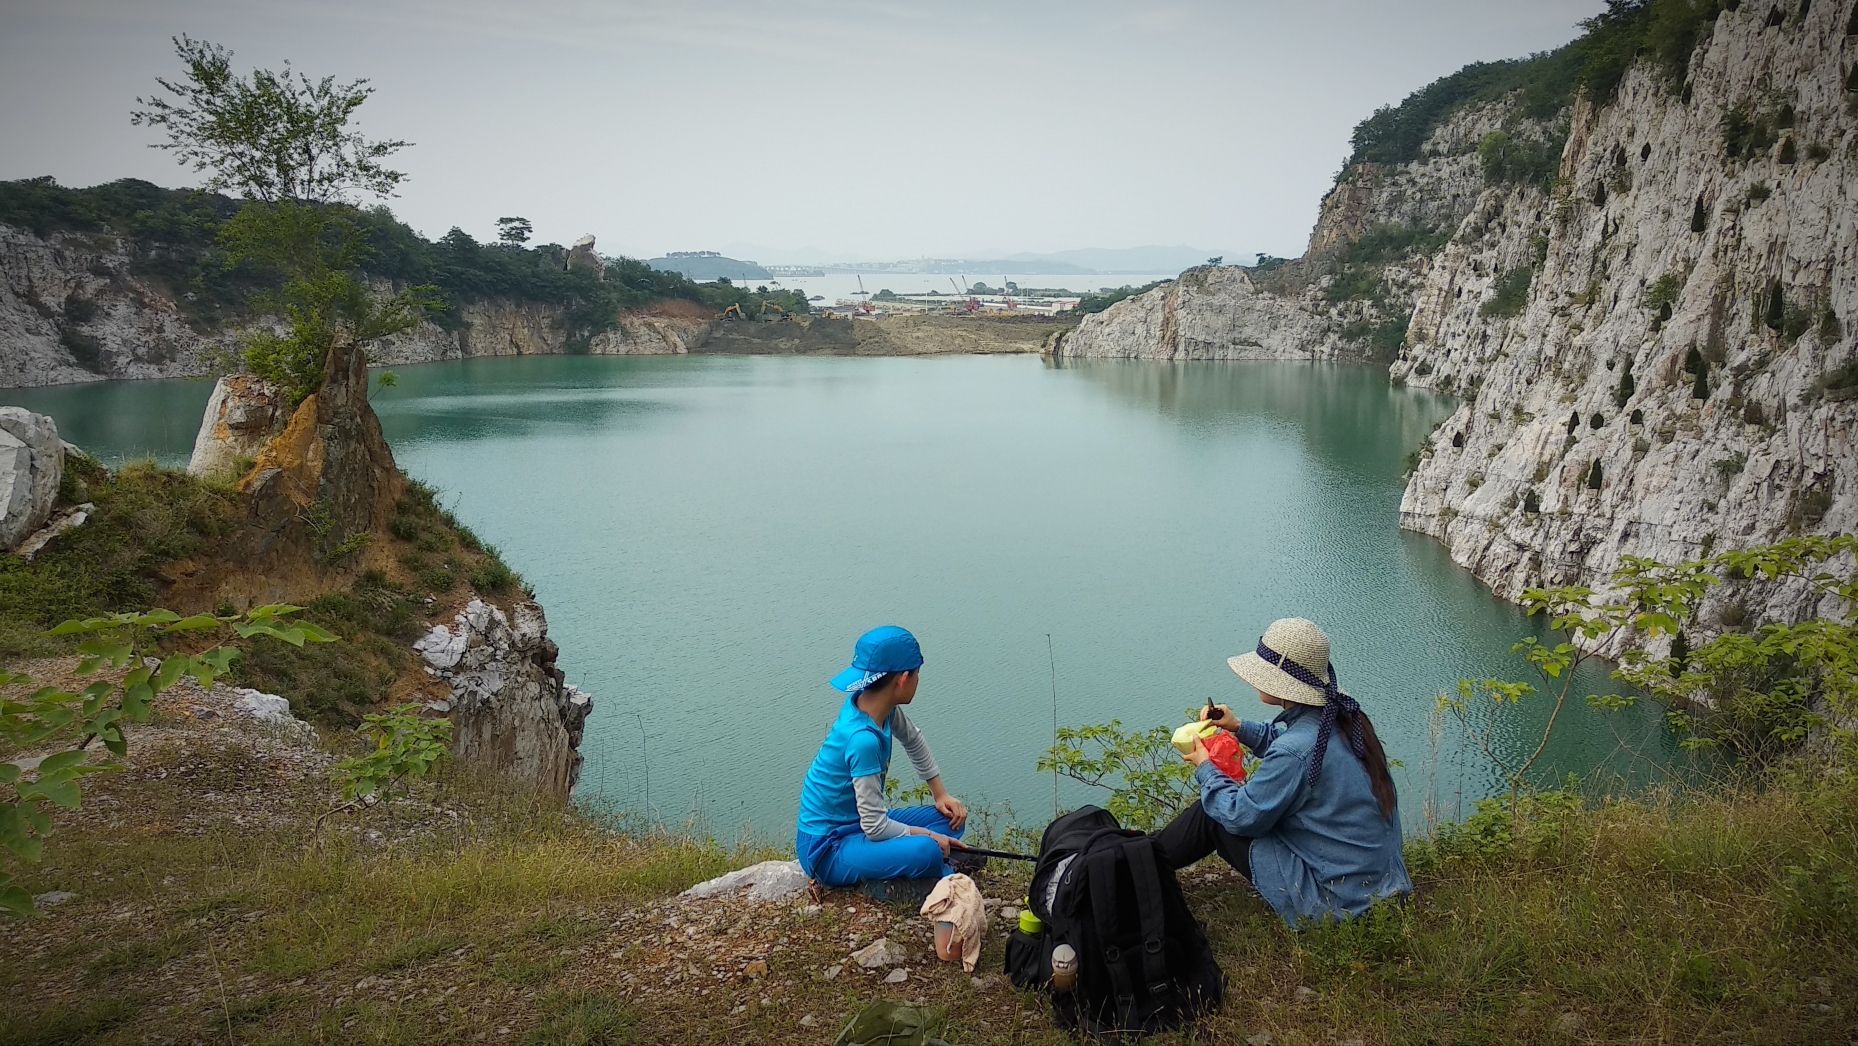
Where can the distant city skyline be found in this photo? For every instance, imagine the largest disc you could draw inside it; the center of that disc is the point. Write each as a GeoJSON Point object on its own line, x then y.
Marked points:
{"type": "Point", "coordinates": [806, 132]}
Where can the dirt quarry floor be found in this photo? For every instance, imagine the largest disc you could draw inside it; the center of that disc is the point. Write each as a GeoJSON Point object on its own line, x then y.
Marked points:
{"type": "Point", "coordinates": [889, 336]}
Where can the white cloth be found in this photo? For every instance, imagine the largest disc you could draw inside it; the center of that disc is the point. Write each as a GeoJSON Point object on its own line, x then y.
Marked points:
{"type": "Point", "coordinates": [957, 900]}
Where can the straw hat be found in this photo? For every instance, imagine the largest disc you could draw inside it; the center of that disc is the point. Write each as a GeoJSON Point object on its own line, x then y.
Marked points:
{"type": "Point", "coordinates": [1293, 639]}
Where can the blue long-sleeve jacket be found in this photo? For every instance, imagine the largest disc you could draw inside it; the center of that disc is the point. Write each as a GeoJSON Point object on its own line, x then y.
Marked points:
{"type": "Point", "coordinates": [1320, 850]}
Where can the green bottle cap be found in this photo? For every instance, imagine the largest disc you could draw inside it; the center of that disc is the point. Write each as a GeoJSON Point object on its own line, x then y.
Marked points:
{"type": "Point", "coordinates": [1030, 923]}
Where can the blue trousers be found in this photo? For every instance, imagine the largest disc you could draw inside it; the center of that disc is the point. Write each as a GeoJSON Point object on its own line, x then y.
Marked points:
{"type": "Point", "coordinates": [848, 857]}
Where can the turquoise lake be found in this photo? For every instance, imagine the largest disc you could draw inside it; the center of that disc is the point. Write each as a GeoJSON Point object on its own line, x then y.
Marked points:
{"type": "Point", "coordinates": [709, 534]}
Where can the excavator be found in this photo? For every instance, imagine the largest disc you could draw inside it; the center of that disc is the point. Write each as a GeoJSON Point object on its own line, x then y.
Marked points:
{"type": "Point", "coordinates": [734, 312]}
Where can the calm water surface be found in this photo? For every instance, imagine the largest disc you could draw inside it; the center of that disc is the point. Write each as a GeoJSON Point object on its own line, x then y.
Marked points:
{"type": "Point", "coordinates": [710, 534]}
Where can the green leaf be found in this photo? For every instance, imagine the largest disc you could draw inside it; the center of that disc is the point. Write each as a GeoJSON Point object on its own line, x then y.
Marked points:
{"type": "Point", "coordinates": [15, 900]}
{"type": "Point", "coordinates": [171, 670]}
{"type": "Point", "coordinates": [8, 678]}
{"type": "Point", "coordinates": [138, 702]}
{"type": "Point", "coordinates": [75, 627]}
{"type": "Point", "coordinates": [194, 623]}
{"type": "Point", "coordinates": [9, 772]}
{"type": "Point", "coordinates": [157, 617]}
{"type": "Point", "coordinates": [63, 760]}
{"type": "Point", "coordinates": [315, 634]}
{"type": "Point", "coordinates": [64, 793]}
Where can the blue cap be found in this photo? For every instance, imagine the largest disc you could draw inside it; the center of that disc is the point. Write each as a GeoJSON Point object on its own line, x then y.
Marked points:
{"type": "Point", "coordinates": [880, 651]}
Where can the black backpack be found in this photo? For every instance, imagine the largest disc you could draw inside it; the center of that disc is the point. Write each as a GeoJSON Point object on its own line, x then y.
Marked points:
{"type": "Point", "coordinates": [1144, 964]}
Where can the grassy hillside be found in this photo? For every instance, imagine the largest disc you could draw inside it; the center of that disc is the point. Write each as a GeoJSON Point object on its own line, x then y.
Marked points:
{"type": "Point", "coordinates": [1665, 32]}
{"type": "Point", "coordinates": [466, 912]}
{"type": "Point", "coordinates": [174, 233]}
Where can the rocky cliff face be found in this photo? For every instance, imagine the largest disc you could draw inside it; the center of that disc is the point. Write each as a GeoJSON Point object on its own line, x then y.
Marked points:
{"type": "Point", "coordinates": [1673, 384]}
{"type": "Point", "coordinates": [73, 309]}
{"type": "Point", "coordinates": [1705, 227]}
{"type": "Point", "coordinates": [1329, 304]}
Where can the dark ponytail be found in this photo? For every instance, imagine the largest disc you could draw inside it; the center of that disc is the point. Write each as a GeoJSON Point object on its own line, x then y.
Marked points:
{"type": "Point", "coordinates": [1374, 759]}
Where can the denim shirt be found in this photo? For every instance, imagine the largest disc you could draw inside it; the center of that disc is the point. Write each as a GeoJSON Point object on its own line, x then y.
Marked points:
{"type": "Point", "coordinates": [1318, 851]}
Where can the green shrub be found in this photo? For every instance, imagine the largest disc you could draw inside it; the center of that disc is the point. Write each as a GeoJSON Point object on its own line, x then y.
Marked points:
{"type": "Point", "coordinates": [1509, 295]}
{"type": "Point", "coordinates": [1506, 159]}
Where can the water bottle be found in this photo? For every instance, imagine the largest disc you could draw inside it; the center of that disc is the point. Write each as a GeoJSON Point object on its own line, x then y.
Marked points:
{"type": "Point", "coordinates": [1064, 968]}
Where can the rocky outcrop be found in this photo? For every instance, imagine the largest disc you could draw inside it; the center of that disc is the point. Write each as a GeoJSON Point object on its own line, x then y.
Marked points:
{"type": "Point", "coordinates": [31, 466]}
{"type": "Point", "coordinates": [1347, 299]}
{"type": "Point", "coordinates": [514, 712]}
{"type": "Point", "coordinates": [512, 329]}
{"type": "Point", "coordinates": [325, 482]}
{"type": "Point", "coordinates": [242, 414]}
{"type": "Point", "coordinates": [1679, 379]}
{"type": "Point", "coordinates": [1208, 314]}
{"type": "Point", "coordinates": [583, 256]}
{"type": "Point", "coordinates": [74, 308]}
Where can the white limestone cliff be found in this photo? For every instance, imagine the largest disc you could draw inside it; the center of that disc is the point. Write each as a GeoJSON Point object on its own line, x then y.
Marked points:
{"type": "Point", "coordinates": [74, 307]}
{"type": "Point", "coordinates": [1652, 212]}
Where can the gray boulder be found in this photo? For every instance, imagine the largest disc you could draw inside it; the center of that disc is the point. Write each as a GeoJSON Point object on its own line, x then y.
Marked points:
{"type": "Point", "coordinates": [32, 462]}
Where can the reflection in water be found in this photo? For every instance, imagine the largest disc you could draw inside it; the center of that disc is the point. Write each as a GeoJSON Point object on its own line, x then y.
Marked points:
{"type": "Point", "coordinates": [709, 534]}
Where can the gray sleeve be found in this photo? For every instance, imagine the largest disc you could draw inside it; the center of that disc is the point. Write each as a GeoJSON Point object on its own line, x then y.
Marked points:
{"type": "Point", "coordinates": [873, 812]}
{"type": "Point", "coordinates": [906, 734]}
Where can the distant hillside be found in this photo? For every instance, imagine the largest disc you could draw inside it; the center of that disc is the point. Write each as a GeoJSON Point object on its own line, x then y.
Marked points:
{"type": "Point", "coordinates": [708, 266]}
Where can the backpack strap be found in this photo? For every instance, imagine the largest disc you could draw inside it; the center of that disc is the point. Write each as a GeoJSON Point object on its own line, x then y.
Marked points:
{"type": "Point", "coordinates": [1146, 879]}
{"type": "Point", "coordinates": [1102, 872]}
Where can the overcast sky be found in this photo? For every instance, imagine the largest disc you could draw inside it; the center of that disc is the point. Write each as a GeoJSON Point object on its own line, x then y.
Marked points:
{"type": "Point", "coordinates": [803, 129]}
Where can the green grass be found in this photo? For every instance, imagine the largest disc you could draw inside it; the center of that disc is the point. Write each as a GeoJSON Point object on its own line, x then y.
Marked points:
{"type": "Point", "coordinates": [1726, 916]}
{"type": "Point", "coordinates": [146, 517]}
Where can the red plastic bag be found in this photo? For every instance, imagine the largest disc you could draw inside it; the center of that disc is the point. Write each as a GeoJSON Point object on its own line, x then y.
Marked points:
{"type": "Point", "coordinates": [1228, 755]}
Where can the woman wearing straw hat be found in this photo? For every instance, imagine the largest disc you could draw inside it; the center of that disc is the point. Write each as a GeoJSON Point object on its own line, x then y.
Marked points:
{"type": "Point", "coordinates": [1316, 826]}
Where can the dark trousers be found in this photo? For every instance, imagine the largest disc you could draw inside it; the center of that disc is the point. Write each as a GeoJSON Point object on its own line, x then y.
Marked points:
{"type": "Point", "coordinates": [1192, 835]}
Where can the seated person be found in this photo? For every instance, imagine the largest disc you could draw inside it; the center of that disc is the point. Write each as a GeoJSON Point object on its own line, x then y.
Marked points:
{"type": "Point", "coordinates": [1316, 827]}
{"type": "Point", "coordinates": [847, 833]}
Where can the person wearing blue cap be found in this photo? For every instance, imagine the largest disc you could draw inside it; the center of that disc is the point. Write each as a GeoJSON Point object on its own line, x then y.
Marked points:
{"type": "Point", "coordinates": [847, 833]}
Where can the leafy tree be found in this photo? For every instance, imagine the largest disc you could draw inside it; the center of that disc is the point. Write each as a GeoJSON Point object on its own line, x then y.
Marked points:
{"type": "Point", "coordinates": [116, 642]}
{"type": "Point", "coordinates": [1216, 259]}
{"type": "Point", "coordinates": [273, 137]}
{"type": "Point", "coordinates": [514, 231]}
{"type": "Point", "coordinates": [284, 143]}
{"type": "Point", "coordinates": [1147, 780]}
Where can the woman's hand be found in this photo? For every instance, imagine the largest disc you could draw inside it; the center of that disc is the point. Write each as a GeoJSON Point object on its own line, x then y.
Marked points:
{"type": "Point", "coordinates": [1222, 718]}
{"type": "Point", "coordinates": [941, 840]}
{"type": "Point", "coordinates": [952, 808]}
{"type": "Point", "coordinates": [1198, 755]}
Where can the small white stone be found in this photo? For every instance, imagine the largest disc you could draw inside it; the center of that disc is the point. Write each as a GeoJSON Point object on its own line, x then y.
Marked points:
{"type": "Point", "coordinates": [53, 899]}
{"type": "Point", "coordinates": [897, 976]}
{"type": "Point", "coordinates": [807, 1021]}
